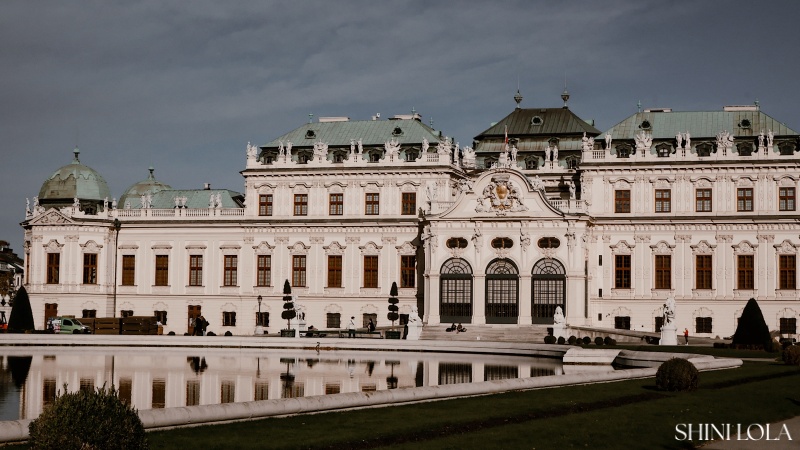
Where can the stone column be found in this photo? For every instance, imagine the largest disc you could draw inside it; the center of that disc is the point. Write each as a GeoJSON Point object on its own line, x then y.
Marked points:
{"type": "Point", "coordinates": [479, 299]}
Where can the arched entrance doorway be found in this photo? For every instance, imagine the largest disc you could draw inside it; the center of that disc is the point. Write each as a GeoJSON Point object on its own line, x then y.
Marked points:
{"type": "Point", "coordinates": [502, 292]}
{"type": "Point", "coordinates": [549, 281]}
{"type": "Point", "coordinates": [455, 291]}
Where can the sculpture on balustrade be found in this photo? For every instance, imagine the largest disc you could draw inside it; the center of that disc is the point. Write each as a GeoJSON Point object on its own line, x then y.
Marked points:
{"type": "Point", "coordinates": [392, 148]}
{"type": "Point", "coordinates": [320, 150]}
{"type": "Point", "coordinates": [761, 139]}
{"type": "Point", "coordinates": [547, 153]}
{"type": "Point", "coordinates": [608, 141]}
{"type": "Point", "coordinates": [251, 151]}
{"type": "Point", "coordinates": [770, 137]}
{"type": "Point", "coordinates": [688, 139]}
{"type": "Point", "coordinates": [679, 140]}
{"type": "Point", "coordinates": [555, 154]}
{"type": "Point", "coordinates": [468, 159]}
{"type": "Point", "coordinates": [643, 141]}
{"type": "Point", "coordinates": [571, 185]}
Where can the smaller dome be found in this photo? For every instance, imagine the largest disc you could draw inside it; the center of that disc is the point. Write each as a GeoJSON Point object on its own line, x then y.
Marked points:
{"type": "Point", "coordinates": [147, 186]}
{"type": "Point", "coordinates": [74, 181]}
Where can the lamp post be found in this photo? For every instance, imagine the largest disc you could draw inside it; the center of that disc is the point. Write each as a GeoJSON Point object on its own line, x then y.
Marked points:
{"type": "Point", "coordinates": [259, 325]}
{"type": "Point", "coordinates": [117, 225]}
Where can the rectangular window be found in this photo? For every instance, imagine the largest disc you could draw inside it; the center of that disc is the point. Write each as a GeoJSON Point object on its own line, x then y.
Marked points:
{"type": "Point", "coordinates": [128, 270]}
{"type": "Point", "coordinates": [162, 270]}
{"type": "Point", "coordinates": [262, 319]}
{"type": "Point", "coordinates": [161, 316]}
{"type": "Point", "coordinates": [88, 314]}
{"type": "Point", "coordinates": [622, 271]}
{"type": "Point", "coordinates": [370, 271]}
{"type": "Point", "coordinates": [659, 323]}
{"type": "Point", "coordinates": [265, 205]}
{"type": "Point", "coordinates": [372, 204]}
{"type": "Point", "coordinates": [334, 320]}
{"type": "Point", "coordinates": [264, 270]}
{"type": "Point", "coordinates": [261, 389]}
{"type": "Point", "coordinates": [744, 271]}
{"type": "Point", "coordinates": [622, 201]}
{"type": "Point", "coordinates": [300, 204]}
{"type": "Point", "coordinates": [663, 200]}
{"type": "Point", "coordinates": [159, 393]}
{"type": "Point", "coordinates": [228, 318]}
{"type": "Point", "coordinates": [227, 391]}
{"type": "Point", "coordinates": [788, 325]}
{"type": "Point", "coordinates": [90, 268]}
{"type": "Point", "coordinates": [336, 205]}
{"type": "Point", "coordinates": [744, 199]}
{"type": "Point", "coordinates": [334, 271]}
{"type": "Point", "coordinates": [702, 325]}
{"type": "Point", "coordinates": [299, 270]}
{"type": "Point", "coordinates": [195, 270]}
{"type": "Point", "coordinates": [702, 200]}
{"type": "Point", "coordinates": [787, 278]}
{"type": "Point", "coordinates": [786, 199]}
{"type": "Point", "coordinates": [192, 392]}
{"type": "Point", "coordinates": [53, 266]}
{"type": "Point", "coordinates": [231, 270]}
{"type": "Point", "coordinates": [622, 322]}
{"type": "Point", "coordinates": [703, 272]}
{"type": "Point", "coordinates": [408, 271]}
{"type": "Point", "coordinates": [663, 271]}
{"type": "Point", "coordinates": [409, 204]}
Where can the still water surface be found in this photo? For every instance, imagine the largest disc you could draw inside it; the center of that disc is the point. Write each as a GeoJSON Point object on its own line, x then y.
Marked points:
{"type": "Point", "coordinates": [170, 377]}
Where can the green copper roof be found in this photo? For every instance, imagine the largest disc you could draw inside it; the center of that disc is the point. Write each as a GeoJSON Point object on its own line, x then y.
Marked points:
{"type": "Point", "coordinates": [699, 124]}
{"type": "Point", "coordinates": [74, 180]}
{"type": "Point", "coordinates": [371, 132]}
{"type": "Point", "coordinates": [195, 198]}
{"type": "Point", "coordinates": [531, 122]}
{"type": "Point", "coordinates": [150, 184]}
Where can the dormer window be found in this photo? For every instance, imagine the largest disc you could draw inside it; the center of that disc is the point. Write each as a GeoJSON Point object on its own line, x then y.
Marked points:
{"type": "Point", "coordinates": [536, 121]}
{"type": "Point", "coordinates": [663, 150]}
{"type": "Point", "coordinates": [703, 149]}
{"type": "Point", "coordinates": [745, 149]}
{"type": "Point", "coordinates": [339, 157]}
{"type": "Point", "coordinates": [304, 157]}
{"type": "Point", "coordinates": [397, 131]}
{"type": "Point", "coordinates": [786, 148]}
{"type": "Point", "coordinates": [745, 123]}
{"type": "Point", "coordinates": [310, 134]}
{"type": "Point", "coordinates": [645, 125]}
{"type": "Point", "coordinates": [374, 157]}
{"type": "Point", "coordinates": [411, 155]}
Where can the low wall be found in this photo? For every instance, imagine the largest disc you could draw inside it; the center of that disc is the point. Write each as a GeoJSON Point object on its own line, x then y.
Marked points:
{"type": "Point", "coordinates": [17, 430]}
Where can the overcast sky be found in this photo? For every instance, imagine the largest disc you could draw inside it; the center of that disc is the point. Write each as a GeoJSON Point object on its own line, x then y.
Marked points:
{"type": "Point", "coordinates": [183, 86]}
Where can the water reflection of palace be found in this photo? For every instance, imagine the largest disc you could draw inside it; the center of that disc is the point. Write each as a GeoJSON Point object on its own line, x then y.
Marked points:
{"type": "Point", "coordinates": [187, 377]}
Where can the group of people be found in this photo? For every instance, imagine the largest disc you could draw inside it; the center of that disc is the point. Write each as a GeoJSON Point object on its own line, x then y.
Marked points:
{"type": "Point", "coordinates": [200, 326]}
{"type": "Point", "coordinates": [457, 329]}
{"type": "Point", "coordinates": [351, 327]}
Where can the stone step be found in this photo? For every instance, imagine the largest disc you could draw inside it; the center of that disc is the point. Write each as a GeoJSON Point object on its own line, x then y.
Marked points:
{"type": "Point", "coordinates": [500, 333]}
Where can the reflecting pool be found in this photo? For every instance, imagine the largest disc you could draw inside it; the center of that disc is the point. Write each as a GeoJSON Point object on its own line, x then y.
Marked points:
{"type": "Point", "coordinates": [153, 378]}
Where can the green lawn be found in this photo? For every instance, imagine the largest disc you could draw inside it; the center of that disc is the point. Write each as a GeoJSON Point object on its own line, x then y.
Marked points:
{"type": "Point", "coordinates": [627, 414]}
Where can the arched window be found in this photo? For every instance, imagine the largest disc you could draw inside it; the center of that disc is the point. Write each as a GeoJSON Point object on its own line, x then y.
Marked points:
{"type": "Point", "coordinates": [455, 291]}
{"type": "Point", "coordinates": [502, 292]}
{"type": "Point", "coordinates": [548, 282]}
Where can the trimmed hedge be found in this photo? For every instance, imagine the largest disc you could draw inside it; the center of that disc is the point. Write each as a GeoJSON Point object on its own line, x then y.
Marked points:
{"type": "Point", "coordinates": [549, 340]}
{"type": "Point", "coordinates": [791, 355]}
{"type": "Point", "coordinates": [561, 340]}
{"type": "Point", "coordinates": [677, 375]}
{"type": "Point", "coordinates": [587, 340]}
{"type": "Point", "coordinates": [88, 420]}
{"type": "Point", "coordinates": [598, 341]}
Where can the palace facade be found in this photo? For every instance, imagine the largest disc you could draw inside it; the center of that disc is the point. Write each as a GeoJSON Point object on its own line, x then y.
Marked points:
{"type": "Point", "coordinates": [541, 211]}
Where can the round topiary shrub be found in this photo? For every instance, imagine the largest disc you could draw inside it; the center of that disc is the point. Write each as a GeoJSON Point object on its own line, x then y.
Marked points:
{"type": "Point", "coordinates": [549, 340]}
{"type": "Point", "coordinates": [609, 341]}
{"type": "Point", "coordinates": [677, 375]}
{"type": "Point", "coordinates": [587, 340]}
{"type": "Point", "coordinates": [791, 355]}
{"type": "Point", "coordinates": [572, 340]}
{"type": "Point", "coordinates": [88, 420]}
{"type": "Point", "coordinates": [561, 340]}
{"type": "Point", "coordinates": [171, 333]}
{"type": "Point", "coordinates": [228, 333]}
{"type": "Point", "coordinates": [598, 341]}
{"type": "Point", "coordinates": [211, 333]}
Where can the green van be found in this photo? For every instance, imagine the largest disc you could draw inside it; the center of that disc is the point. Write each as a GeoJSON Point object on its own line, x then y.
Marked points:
{"type": "Point", "coordinates": [67, 325]}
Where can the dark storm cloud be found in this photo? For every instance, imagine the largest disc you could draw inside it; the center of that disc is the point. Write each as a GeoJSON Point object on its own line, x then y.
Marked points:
{"type": "Point", "coordinates": [183, 86]}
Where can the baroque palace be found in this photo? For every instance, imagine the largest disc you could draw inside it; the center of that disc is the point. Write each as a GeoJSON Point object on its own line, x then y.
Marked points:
{"type": "Point", "coordinates": [541, 211]}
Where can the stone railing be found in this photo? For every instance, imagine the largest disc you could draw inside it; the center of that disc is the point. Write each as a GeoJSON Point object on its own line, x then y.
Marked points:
{"type": "Point", "coordinates": [684, 154]}
{"type": "Point", "coordinates": [187, 213]}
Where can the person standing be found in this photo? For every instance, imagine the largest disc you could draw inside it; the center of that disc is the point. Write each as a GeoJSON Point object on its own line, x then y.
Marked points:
{"type": "Point", "coordinates": [371, 326]}
{"type": "Point", "coordinates": [351, 327]}
{"type": "Point", "coordinates": [686, 335]}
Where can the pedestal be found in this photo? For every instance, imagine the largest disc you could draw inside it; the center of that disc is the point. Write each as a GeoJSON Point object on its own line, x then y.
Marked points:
{"type": "Point", "coordinates": [560, 330]}
{"type": "Point", "coordinates": [669, 335]}
{"type": "Point", "coordinates": [259, 330]}
{"type": "Point", "coordinates": [414, 331]}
